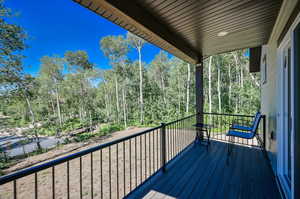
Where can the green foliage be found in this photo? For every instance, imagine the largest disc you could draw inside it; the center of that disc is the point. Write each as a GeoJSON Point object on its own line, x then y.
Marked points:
{"type": "Point", "coordinates": [73, 124]}
{"type": "Point", "coordinates": [114, 47]}
{"type": "Point", "coordinates": [104, 130]}
{"type": "Point", "coordinates": [4, 165]}
{"type": "Point", "coordinates": [110, 128]}
{"type": "Point", "coordinates": [85, 136]}
{"type": "Point", "coordinates": [47, 130]}
{"type": "Point", "coordinates": [80, 59]}
{"type": "Point", "coordinates": [12, 42]}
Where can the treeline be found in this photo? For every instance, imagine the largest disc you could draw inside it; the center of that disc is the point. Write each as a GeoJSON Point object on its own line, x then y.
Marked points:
{"type": "Point", "coordinates": [70, 88]}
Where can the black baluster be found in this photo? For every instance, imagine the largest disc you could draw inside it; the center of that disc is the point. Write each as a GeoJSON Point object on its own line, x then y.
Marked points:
{"type": "Point", "coordinates": [124, 177]}
{"type": "Point", "coordinates": [130, 165]}
{"type": "Point", "coordinates": [135, 155]}
{"type": "Point", "coordinates": [153, 152]}
{"type": "Point", "coordinates": [68, 180]}
{"type": "Point", "coordinates": [80, 177]}
{"type": "Point", "coordinates": [15, 189]}
{"type": "Point", "coordinates": [53, 182]}
{"type": "Point", "coordinates": [109, 171]}
{"type": "Point", "coordinates": [149, 153]}
{"type": "Point", "coordinates": [141, 162]}
{"type": "Point", "coordinates": [145, 142]}
{"type": "Point", "coordinates": [92, 180]}
{"type": "Point", "coordinates": [157, 164]}
{"type": "Point", "coordinates": [163, 146]}
{"type": "Point", "coordinates": [101, 177]}
{"type": "Point", "coordinates": [117, 151]}
{"type": "Point", "coordinates": [35, 186]}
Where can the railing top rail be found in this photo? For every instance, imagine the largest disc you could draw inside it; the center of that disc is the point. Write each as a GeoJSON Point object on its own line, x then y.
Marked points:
{"type": "Point", "coordinates": [169, 123]}
{"type": "Point", "coordinates": [31, 170]}
{"type": "Point", "coordinates": [227, 114]}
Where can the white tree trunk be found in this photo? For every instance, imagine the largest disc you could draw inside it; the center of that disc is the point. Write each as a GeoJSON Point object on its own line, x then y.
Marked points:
{"type": "Point", "coordinates": [242, 76]}
{"type": "Point", "coordinates": [179, 95]}
{"type": "Point", "coordinates": [237, 64]}
{"type": "Point", "coordinates": [141, 87]}
{"type": "Point", "coordinates": [80, 114]}
{"type": "Point", "coordinates": [52, 105]}
{"type": "Point", "coordinates": [209, 85]}
{"type": "Point", "coordinates": [117, 98]}
{"type": "Point", "coordinates": [229, 86]}
{"type": "Point", "coordinates": [188, 89]}
{"type": "Point", "coordinates": [58, 107]}
{"type": "Point", "coordinates": [91, 120]}
{"type": "Point", "coordinates": [254, 80]}
{"type": "Point", "coordinates": [32, 121]}
{"type": "Point", "coordinates": [240, 81]}
{"type": "Point", "coordinates": [219, 88]}
{"type": "Point", "coordinates": [163, 88]}
{"type": "Point", "coordinates": [107, 106]}
{"type": "Point", "coordinates": [30, 110]}
{"type": "Point", "coordinates": [124, 107]}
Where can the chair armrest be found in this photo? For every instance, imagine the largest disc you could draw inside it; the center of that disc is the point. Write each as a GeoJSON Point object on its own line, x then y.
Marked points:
{"type": "Point", "coordinates": [240, 128]}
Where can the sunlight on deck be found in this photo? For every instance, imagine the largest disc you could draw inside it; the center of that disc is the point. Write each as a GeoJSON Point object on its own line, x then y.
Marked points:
{"type": "Point", "coordinates": [156, 194]}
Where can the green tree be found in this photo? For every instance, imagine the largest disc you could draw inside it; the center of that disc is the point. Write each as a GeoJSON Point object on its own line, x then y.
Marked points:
{"type": "Point", "coordinates": [116, 49]}
{"type": "Point", "coordinates": [12, 43]}
{"type": "Point", "coordinates": [138, 43]}
{"type": "Point", "coordinates": [51, 76]}
{"type": "Point", "coordinates": [82, 73]}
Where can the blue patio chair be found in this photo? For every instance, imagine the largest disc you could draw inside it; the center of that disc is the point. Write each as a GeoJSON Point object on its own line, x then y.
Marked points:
{"type": "Point", "coordinates": [242, 132]}
{"type": "Point", "coordinates": [245, 128]}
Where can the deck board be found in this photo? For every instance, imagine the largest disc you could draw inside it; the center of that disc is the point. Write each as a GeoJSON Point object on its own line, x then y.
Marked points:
{"type": "Point", "coordinates": [192, 177]}
{"type": "Point", "coordinates": [204, 174]}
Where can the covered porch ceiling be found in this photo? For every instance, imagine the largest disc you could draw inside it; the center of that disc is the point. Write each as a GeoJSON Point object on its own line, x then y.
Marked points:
{"type": "Point", "coordinates": [192, 29]}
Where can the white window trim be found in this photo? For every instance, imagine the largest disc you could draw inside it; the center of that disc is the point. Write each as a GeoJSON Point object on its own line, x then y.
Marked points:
{"type": "Point", "coordinates": [281, 145]}
{"type": "Point", "coordinates": [289, 37]}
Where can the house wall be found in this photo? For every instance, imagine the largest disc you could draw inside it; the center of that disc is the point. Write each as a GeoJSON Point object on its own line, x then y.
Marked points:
{"type": "Point", "coordinates": [269, 100]}
{"type": "Point", "coordinates": [270, 91]}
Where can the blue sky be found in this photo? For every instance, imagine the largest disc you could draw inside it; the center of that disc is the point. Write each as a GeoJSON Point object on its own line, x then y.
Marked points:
{"type": "Point", "coordinates": [55, 26]}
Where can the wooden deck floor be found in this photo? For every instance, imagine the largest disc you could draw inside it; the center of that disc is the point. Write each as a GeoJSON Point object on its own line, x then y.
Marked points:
{"type": "Point", "coordinates": [199, 173]}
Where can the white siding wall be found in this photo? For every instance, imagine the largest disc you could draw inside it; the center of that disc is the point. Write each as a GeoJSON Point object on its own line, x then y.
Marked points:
{"type": "Point", "coordinates": [269, 100]}
{"type": "Point", "coordinates": [270, 91]}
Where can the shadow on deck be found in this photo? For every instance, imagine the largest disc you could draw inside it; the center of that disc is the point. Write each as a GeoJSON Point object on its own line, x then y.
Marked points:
{"type": "Point", "coordinates": [199, 173]}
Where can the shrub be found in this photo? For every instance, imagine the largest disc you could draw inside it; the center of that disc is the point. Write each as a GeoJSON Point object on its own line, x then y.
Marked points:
{"type": "Point", "coordinates": [110, 128]}
{"type": "Point", "coordinates": [104, 130]}
{"type": "Point", "coordinates": [84, 136]}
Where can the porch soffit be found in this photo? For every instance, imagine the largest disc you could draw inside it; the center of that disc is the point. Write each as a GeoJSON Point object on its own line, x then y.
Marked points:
{"type": "Point", "coordinates": [189, 29]}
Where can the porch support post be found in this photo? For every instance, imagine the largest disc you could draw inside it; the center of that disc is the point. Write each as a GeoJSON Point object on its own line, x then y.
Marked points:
{"type": "Point", "coordinates": [199, 95]}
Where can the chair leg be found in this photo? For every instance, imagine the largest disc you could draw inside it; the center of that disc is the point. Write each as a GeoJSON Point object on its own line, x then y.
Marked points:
{"type": "Point", "coordinates": [228, 152]}
{"type": "Point", "coordinates": [208, 136]}
{"type": "Point", "coordinates": [207, 139]}
{"type": "Point", "coordinates": [229, 148]}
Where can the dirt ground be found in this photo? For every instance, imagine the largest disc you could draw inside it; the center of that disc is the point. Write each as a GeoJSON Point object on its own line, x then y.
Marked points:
{"type": "Point", "coordinates": [108, 173]}
{"type": "Point", "coordinates": [63, 150]}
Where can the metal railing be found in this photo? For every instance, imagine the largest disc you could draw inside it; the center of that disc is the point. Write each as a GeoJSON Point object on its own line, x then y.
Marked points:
{"type": "Point", "coordinates": [114, 169]}
{"type": "Point", "coordinates": [221, 122]}
{"type": "Point", "coordinates": [110, 170]}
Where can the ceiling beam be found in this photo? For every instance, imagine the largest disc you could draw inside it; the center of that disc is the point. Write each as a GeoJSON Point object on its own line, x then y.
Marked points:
{"type": "Point", "coordinates": [147, 24]}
